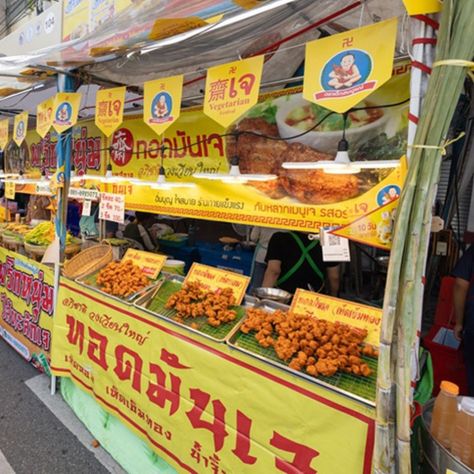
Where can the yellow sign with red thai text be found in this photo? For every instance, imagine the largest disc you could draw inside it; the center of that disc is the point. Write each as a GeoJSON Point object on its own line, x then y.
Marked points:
{"type": "Point", "coordinates": [420, 7]}
{"type": "Point", "coordinates": [335, 309]}
{"type": "Point", "coordinates": [214, 279]}
{"type": "Point", "coordinates": [150, 263]}
{"type": "Point", "coordinates": [343, 69]}
{"type": "Point", "coordinates": [200, 404]}
{"type": "Point", "coordinates": [375, 228]}
{"type": "Point", "coordinates": [27, 304]}
{"type": "Point", "coordinates": [162, 102]}
{"type": "Point", "coordinates": [166, 27]}
{"type": "Point", "coordinates": [65, 110]}
{"type": "Point", "coordinates": [44, 116]}
{"type": "Point", "coordinates": [20, 126]}
{"type": "Point", "coordinates": [232, 89]}
{"type": "Point", "coordinates": [4, 132]}
{"type": "Point", "coordinates": [109, 105]}
{"type": "Point", "coordinates": [10, 190]}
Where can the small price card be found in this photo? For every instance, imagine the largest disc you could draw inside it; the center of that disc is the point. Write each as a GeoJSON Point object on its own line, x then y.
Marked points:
{"type": "Point", "coordinates": [336, 309]}
{"type": "Point", "coordinates": [86, 208]}
{"type": "Point", "coordinates": [112, 207]}
{"type": "Point", "coordinates": [150, 263]}
{"type": "Point", "coordinates": [10, 190]}
{"type": "Point", "coordinates": [215, 279]}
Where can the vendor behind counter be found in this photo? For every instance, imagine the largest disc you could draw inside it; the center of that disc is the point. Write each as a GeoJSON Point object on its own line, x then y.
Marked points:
{"type": "Point", "coordinates": [139, 232]}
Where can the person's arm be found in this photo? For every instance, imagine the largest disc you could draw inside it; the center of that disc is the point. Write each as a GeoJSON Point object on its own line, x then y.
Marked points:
{"type": "Point", "coordinates": [148, 243]}
{"type": "Point", "coordinates": [272, 273]}
{"type": "Point", "coordinates": [460, 290]}
{"type": "Point", "coordinates": [333, 280]}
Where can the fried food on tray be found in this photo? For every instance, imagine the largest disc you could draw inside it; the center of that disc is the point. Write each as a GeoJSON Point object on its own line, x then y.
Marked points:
{"type": "Point", "coordinates": [192, 301]}
{"type": "Point", "coordinates": [316, 346]}
{"type": "Point", "coordinates": [121, 279]}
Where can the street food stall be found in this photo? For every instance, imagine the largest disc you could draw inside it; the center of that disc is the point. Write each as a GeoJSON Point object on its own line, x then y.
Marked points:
{"type": "Point", "coordinates": [211, 377]}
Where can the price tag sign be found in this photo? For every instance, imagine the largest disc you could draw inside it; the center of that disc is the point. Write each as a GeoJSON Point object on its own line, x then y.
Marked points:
{"type": "Point", "coordinates": [336, 309]}
{"type": "Point", "coordinates": [215, 279]}
{"type": "Point", "coordinates": [335, 248]}
{"type": "Point", "coordinates": [150, 263]}
{"type": "Point", "coordinates": [86, 208]}
{"type": "Point", "coordinates": [112, 207]}
{"type": "Point", "coordinates": [10, 190]}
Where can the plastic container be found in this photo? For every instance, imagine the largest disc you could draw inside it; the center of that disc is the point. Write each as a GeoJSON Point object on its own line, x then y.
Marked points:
{"type": "Point", "coordinates": [174, 266]}
{"type": "Point", "coordinates": [462, 440]}
{"type": "Point", "coordinates": [444, 413]}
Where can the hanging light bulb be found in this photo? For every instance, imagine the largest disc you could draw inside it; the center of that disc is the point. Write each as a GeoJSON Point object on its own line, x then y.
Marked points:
{"type": "Point", "coordinates": [234, 176]}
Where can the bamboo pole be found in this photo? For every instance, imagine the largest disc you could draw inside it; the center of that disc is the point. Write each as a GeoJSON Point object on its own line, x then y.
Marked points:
{"type": "Point", "coordinates": [402, 308]}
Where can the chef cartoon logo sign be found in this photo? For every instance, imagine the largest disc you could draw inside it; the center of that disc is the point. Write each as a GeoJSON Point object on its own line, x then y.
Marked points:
{"type": "Point", "coordinates": [19, 128]}
{"type": "Point", "coordinates": [44, 116]}
{"type": "Point", "coordinates": [162, 102]}
{"type": "Point", "coordinates": [65, 110]}
{"type": "Point", "coordinates": [343, 69]}
{"type": "Point", "coordinates": [4, 125]}
{"type": "Point", "coordinates": [232, 89]}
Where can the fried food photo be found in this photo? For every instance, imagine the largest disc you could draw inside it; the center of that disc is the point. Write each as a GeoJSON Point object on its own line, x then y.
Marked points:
{"type": "Point", "coordinates": [316, 346]}
{"type": "Point", "coordinates": [262, 155]}
{"type": "Point", "coordinates": [192, 301]}
{"type": "Point", "coordinates": [121, 279]}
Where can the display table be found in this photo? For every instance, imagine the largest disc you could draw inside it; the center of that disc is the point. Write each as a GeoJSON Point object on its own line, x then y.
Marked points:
{"type": "Point", "coordinates": [201, 405]}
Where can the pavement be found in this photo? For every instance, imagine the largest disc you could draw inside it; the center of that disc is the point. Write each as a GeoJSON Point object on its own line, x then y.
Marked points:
{"type": "Point", "coordinates": [39, 434]}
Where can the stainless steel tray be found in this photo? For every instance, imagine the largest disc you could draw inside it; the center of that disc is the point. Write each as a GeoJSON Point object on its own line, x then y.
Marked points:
{"type": "Point", "coordinates": [218, 334]}
{"type": "Point", "coordinates": [358, 388]}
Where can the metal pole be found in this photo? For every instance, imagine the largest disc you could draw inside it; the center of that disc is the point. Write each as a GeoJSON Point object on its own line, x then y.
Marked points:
{"type": "Point", "coordinates": [63, 153]}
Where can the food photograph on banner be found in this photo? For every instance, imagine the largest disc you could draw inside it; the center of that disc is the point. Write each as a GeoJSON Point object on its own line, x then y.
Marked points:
{"type": "Point", "coordinates": [229, 232]}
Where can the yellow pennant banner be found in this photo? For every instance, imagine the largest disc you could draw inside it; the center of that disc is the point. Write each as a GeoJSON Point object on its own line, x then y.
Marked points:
{"type": "Point", "coordinates": [150, 263]}
{"type": "Point", "coordinates": [201, 405]}
{"type": "Point", "coordinates": [44, 116]}
{"type": "Point", "coordinates": [214, 279]}
{"type": "Point", "coordinates": [375, 228]}
{"type": "Point", "coordinates": [4, 128]}
{"type": "Point", "coordinates": [341, 70]}
{"type": "Point", "coordinates": [420, 7]}
{"type": "Point", "coordinates": [109, 109]}
{"type": "Point", "coordinates": [20, 127]}
{"type": "Point", "coordinates": [232, 89]}
{"type": "Point", "coordinates": [65, 110]}
{"type": "Point", "coordinates": [335, 309]}
{"type": "Point", "coordinates": [166, 27]}
{"type": "Point", "coordinates": [162, 102]}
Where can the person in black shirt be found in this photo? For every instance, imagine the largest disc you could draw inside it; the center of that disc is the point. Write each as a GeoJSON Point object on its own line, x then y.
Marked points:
{"type": "Point", "coordinates": [294, 261]}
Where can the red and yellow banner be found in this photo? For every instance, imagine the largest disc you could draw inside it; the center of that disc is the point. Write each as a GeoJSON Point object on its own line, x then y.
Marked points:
{"type": "Point", "coordinates": [232, 89]}
{"type": "Point", "coordinates": [27, 297]}
{"type": "Point", "coordinates": [335, 309]}
{"type": "Point", "coordinates": [44, 117]}
{"type": "Point", "coordinates": [4, 132]}
{"type": "Point", "coordinates": [109, 105]}
{"type": "Point", "coordinates": [162, 102]}
{"type": "Point", "coordinates": [343, 69]}
{"type": "Point", "coordinates": [20, 127]}
{"type": "Point", "coordinates": [199, 404]}
{"type": "Point", "coordinates": [65, 110]}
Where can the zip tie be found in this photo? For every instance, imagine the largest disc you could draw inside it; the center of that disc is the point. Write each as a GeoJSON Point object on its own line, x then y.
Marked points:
{"type": "Point", "coordinates": [458, 63]}
{"type": "Point", "coordinates": [441, 147]}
